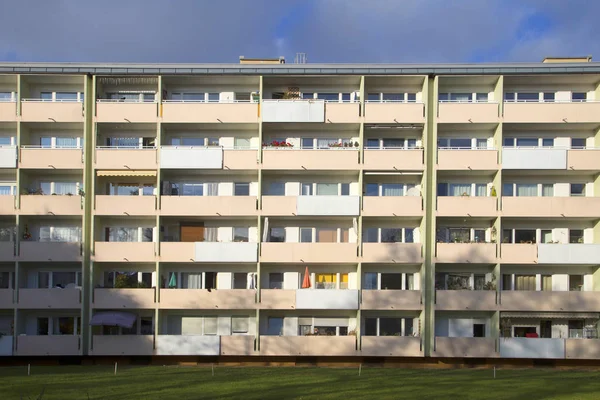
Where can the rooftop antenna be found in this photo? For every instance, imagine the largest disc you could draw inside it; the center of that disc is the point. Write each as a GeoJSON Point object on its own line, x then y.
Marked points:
{"type": "Point", "coordinates": [300, 58]}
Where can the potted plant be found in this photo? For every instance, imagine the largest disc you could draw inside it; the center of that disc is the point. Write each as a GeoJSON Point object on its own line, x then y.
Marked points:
{"type": "Point", "coordinates": [356, 144]}
{"type": "Point", "coordinates": [493, 192]}
{"type": "Point", "coordinates": [26, 234]}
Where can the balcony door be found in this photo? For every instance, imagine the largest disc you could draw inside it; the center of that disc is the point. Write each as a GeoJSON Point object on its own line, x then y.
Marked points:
{"type": "Point", "coordinates": [192, 232]}
{"type": "Point", "coordinates": [325, 235]}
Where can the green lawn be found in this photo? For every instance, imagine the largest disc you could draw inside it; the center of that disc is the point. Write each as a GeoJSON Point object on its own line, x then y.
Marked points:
{"type": "Point", "coordinates": [181, 383]}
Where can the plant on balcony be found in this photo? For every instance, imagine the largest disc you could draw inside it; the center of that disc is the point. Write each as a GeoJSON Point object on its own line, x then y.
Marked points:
{"type": "Point", "coordinates": [356, 144]}
{"type": "Point", "coordinates": [336, 145]}
{"type": "Point", "coordinates": [491, 284]}
{"type": "Point", "coordinates": [493, 192]}
{"type": "Point", "coordinates": [81, 193]}
{"type": "Point", "coordinates": [456, 283]}
{"type": "Point", "coordinates": [124, 281]}
{"type": "Point", "coordinates": [465, 194]}
{"type": "Point", "coordinates": [26, 234]}
{"type": "Point", "coordinates": [276, 143]}
{"type": "Point", "coordinates": [32, 191]}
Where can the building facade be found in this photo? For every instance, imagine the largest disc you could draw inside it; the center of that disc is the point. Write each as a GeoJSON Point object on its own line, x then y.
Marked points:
{"type": "Point", "coordinates": [419, 211]}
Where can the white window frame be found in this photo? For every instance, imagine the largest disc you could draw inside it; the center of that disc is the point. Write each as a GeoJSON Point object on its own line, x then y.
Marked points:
{"type": "Point", "coordinates": [402, 229]}
{"type": "Point", "coordinates": [402, 324]}
{"type": "Point", "coordinates": [78, 277]}
{"type": "Point", "coordinates": [471, 233]}
{"type": "Point", "coordinates": [406, 187]}
{"type": "Point", "coordinates": [338, 279]}
{"type": "Point", "coordinates": [404, 279]}
{"type": "Point", "coordinates": [473, 97]}
{"type": "Point", "coordinates": [240, 332]}
{"type": "Point", "coordinates": [52, 320]}
{"type": "Point", "coordinates": [339, 233]}
{"type": "Point", "coordinates": [315, 184]}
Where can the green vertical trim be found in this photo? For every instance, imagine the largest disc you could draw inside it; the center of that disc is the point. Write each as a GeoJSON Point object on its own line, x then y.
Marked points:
{"type": "Point", "coordinates": [259, 111]}
{"type": "Point", "coordinates": [15, 308]}
{"type": "Point", "coordinates": [428, 285]}
{"type": "Point", "coordinates": [362, 97]}
{"type": "Point", "coordinates": [499, 95]}
{"type": "Point", "coordinates": [19, 94]}
{"type": "Point", "coordinates": [87, 223]}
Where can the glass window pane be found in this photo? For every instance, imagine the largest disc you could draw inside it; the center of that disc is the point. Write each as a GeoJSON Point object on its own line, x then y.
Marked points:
{"type": "Point", "coordinates": [372, 143]}
{"type": "Point", "coordinates": [241, 189]}
{"type": "Point", "coordinates": [460, 143]}
{"type": "Point", "coordinates": [275, 326]}
{"type": "Point", "coordinates": [370, 326]}
{"type": "Point", "coordinates": [443, 97]}
{"type": "Point", "coordinates": [528, 97]}
{"type": "Point", "coordinates": [308, 143]}
{"type": "Point", "coordinates": [390, 326]}
{"type": "Point", "coordinates": [509, 96]}
{"type": "Point", "coordinates": [71, 96]}
{"type": "Point", "coordinates": [548, 190]}
{"type": "Point", "coordinates": [276, 189]}
{"type": "Point", "coordinates": [408, 235]}
{"type": "Point", "coordinates": [345, 97]}
{"type": "Point", "coordinates": [371, 235]}
{"type": "Point", "coordinates": [345, 189]}
{"type": "Point", "coordinates": [392, 189]}
{"type": "Point", "coordinates": [213, 97]}
{"type": "Point", "coordinates": [240, 234]}
{"type": "Point", "coordinates": [391, 235]}
{"type": "Point", "coordinates": [327, 189]}
{"type": "Point", "coordinates": [481, 190]}
{"type": "Point", "coordinates": [241, 143]}
{"type": "Point", "coordinates": [308, 95]}
{"type": "Point", "coordinates": [548, 142]}
{"type": "Point", "coordinates": [577, 189]}
{"type": "Point", "coordinates": [276, 280]}
{"type": "Point", "coordinates": [577, 143]}
{"type": "Point", "coordinates": [373, 97]}
{"type": "Point", "coordinates": [277, 235]}
{"type": "Point", "coordinates": [391, 281]}
{"type": "Point", "coordinates": [482, 143]}
{"type": "Point", "coordinates": [411, 97]}
{"type": "Point", "coordinates": [579, 96]}
{"type": "Point", "coordinates": [442, 189]}
{"type": "Point", "coordinates": [508, 142]}
{"type": "Point", "coordinates": [507, 189]}
{"type": "Point", "coordinates": [46, 96]}
{"type": "Point", "coordinates": [482, 97]}
{"type": "Point", "coordinates": [461, 96]}
{"type": "Point", "coordinates": [370, 281]}
{"type": "Point", "coordinates": [372, 189]}
{"type": "Point", "coordinates": [328, 96]}
{"type": "Point", "coordinates": [393, 96]}
{"type": "Point", "coordinates": [46, 142]}
{"type": "Point", "coordinates": [393, 143]}
{"type": "Point", "coordinates": [527, 189]}
{"type": "Point", "coordinates": [546, 235]}
{"type": "Point", "coordinates": [306, 235]}
{"type": "Point", "coordinates": [548, 96]}
{"type": "Point", "coordinates": [575, 235]}
{"type": "Point", "coordinates": [459, 189]}
{"type": "Point", "coordinates": [527, 142]}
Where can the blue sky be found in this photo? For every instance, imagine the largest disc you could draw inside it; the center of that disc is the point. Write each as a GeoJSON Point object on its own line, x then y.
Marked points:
{"type": "Point", "coordinates": [328, 31]}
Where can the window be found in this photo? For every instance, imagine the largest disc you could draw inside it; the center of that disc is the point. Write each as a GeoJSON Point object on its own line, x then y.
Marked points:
{"type": "Point", "coordinates": [508, 142]}
{"type": "Point", "coordinates": [66, 96]}
{"type": "Point", "coordinates": [478, 330]}
{"type": "Point", "coordinates": [577, 189]}
{"type": "Point", "coordinates": [306, 235]}
{"type": "Point", "coordinates": [326, 281]}
{"type": "Point", "coordinates": [373, 97]}
{"type": "Point", "coordinates": [241, 143]}
{"type": "Point", "coordinates": [546, 236]}
{"type": "Point", "coordinates": [393, 96]}
{"type": "Point", "coordinates": [275, 326]}
{"type": "Point", "coordinates": [575, 283]}
{"type": "Point", "coordinates": [327, 189]}
{"type": "Point", "coordinates": [306, 189]}
{"type": "Point", "coordinates": [442, 189]}
{"type": "Point", "coordinates": [46, 96]}
{"type": "Point", "coordinates": [372, 189]}
{"type": "Point", "coordinates": [459, 189]}
{"type": "Point", "coordinates": [370, 281]}
{"type": "Point", "coordinates": [43, 326]}
{"type": "Point", "coordinates": [408, 236]}
{"type": "Point", "coordinates": [547, 283]}
{"type": "Point", "coordinates": [525, 236]}
{"type": "Point", "coordinates": [276, 280]}
{"type": "Point", "coordinates": [370, 326]}
{"type": "Point", "coordinates": [461, 97]}
{"type": "Point", "coordinates": [277, 235]}
{"type": "Point", "coordinates": [391, 235]}
{"type": "Point", "coordinates": [328, 96]}
{"type": "Point", "coordinates": [524, 282]}
{"type": "Point", "coordinates": [5, 96]}
{"type": "Point", "coordinates": [371, 235]}
{"type": "Point", "coordinates": [508, 97]}
{"type": "Point", "coordinates": [326, 235]}
{"type": "Point", "coordinates": [276, 189]}
{"type": "Point", "coordinates": [528, 97]}
{"type": "Point", "coordinates": [547, 190]}
{"type": "Point", "coordinates": [345, 189]}
{"type": "Point", "coordinates": [307, 143]}
{"type": "Point", "coordinates": [579, 97]}
{"type": "Point", "coordinates": [527, 189]}
{"type": "Point", "coordinates": [575, 235]}
{"type": "Point", "coordinates": [577, 143]}
{"type": "Point", "coordinates": [390, 326]}
{"type": "Point", "coordinates": [480, 190]}
{"type": "Point", "coordinates": [241, 189]}
{"type": "Point", "coordinates": [479, 235]}
{"type": "Point", "coordinates": [372, 144]}
{"type": "Point", "coordinates": [411, 97]}
{"type": "Point", "coordinates": [482, 97]}
{"type": "Point", "coordinates": [479, 281]}
{"type": "Point", "coordinates": [548, 97]}
{"type": "Point", "coordinates": [548, 142]}
{"type": "Point", "coordinates": [240, 234]}
{"type": "Point", "coordinates": [527, 142]}
{"type": "Point", "coordinates": [239, 325]}
{"type": "Point", "coordinates": [392, 189]}
{"type": "Point", "coordinates": [506, 282]}
{"type": "Point", "coordinates": [508, 189]}
{"type": "Point", "coordinates": [481, 143]}
{"type": "Point", "coordinates": [346, 97]}
{"type": "Point", "coordinates": [391, 281]}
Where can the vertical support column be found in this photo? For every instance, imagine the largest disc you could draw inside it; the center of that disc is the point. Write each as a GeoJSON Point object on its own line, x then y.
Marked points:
{"type": "Point", "coordinates": [19, 94]}
{"type": "Point", "coordinates": [159, 97]}
{"type": "Point", "coordinates": [260, 133]}
{"type": "Point", "coordinates": [499, 95]}
{"type": "Point", "coordinates": [157, 313]}
{"type": "Point", "coordinates": [87, 223]}
{"type": "Point", "coordinates": [429, 192]}
{"type": "Point", "coordinates": [358, 312]}
{"type": "Point", "coordinates": [15, 332]}
{"type": "Point", "coordinates": [362, 97]}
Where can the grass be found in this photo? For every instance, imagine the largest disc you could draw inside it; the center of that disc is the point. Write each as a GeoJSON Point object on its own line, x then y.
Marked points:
{"type": "Point", "coordinates": [182, 383]}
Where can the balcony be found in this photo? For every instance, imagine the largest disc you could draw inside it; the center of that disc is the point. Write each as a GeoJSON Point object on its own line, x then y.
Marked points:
{"type": "Point", "coordinates": [125, 205]}
{"type": "Point", "coordinates": [56, 111]}
{"type": "Point", "coordinates": [450, 112]}
{"type": "Point", "coordinates": [559, 207]}
{"type": "Point", "coordinates": [6, 298]}
{"type": "Point", "coordinates": [390, 113]}
{"type": "Point", "coordinates": [391, 300]}
{"type": "Point", "coordinates": [569, 253]}
{"type": "Point", "coordinates": [50, 251]}
{"type": "Point", "coordinates": [518, 253]}
{"type": "Point", "coordinates": [6, 341]}
{"type": "Point", "coordinates": [327, 205]}
{"type": "Point", "coordinates": [393, 160]}
{"type": "Point", "coordinates": [124, 298]}
{"type": "Point", "coordinates": [315, 160]}
{"type": "Point", "coordinates": [348, 113]}
{"type": "Point", "coordinates": [125, 345]}
{"type": "Point", "coordinates": [187, 345]}
{"type": "Point", "coordinates": [469, 253]}
{"type": "Point", "coordinates": [239, 345]}
{"type": "Point", "coordinates": [225, 252]}
{"type": "Point", "coordinates": [461, 300]}
{"type": "Point", "coordinates": [534, 158]}
{"type": "Point", "coordinates": [279, 205]}
{"type": "Point", "coordinates": [308, 346]}
{"type": "Point", "coordinates": [7, 205]}
{"type": "Point", "coordinates": [7, 251]}
{"type": "Point", "coordinates": [51, 205]}
{"type": "Point", "coordinates": [466, 206]}
{"type": "Point", "coordinates": [178, 111]}
{"type": "Point", "coordinates": [465, 347]}
{"type": "Point", "coordinates": [327, 299]}
{"type": "Point", "coordinates": [124, 252]}
{"type": "Point", "coordinates": [177, 251]}
{"type": "Point", "coordinates": [117, 111]}
{"type": "Point", "coordinates": [126, 158]}
{"type": "Point", "coordinates": [8, 110]}
{"type": "Point", "coordinates": [551, 112]}
{"type": "Point", "coordinates": [525, 300]}
{"type": "Point", "coordinates": [406, 253]}
{"type": "Point", "coordinates": [277, 299]}
{"type": "Point", "coordinates": [582, 349]}
{"type": "Point", "coordinates": [465, 159]}
{"type": "Point", "coordinates": [41, 158]}
{"type": "Point", "coordinates": [519, 347]}
{"type": "Point", "coordinates": [8, 156]}
{"type": "Point", "coordinates": [222, 206]}
{"type": "Point", "coordinates": [583, 160]}
{"type": "Point", "coordinates": [54, 298]}
{"type": "Point", "coordinates": [309, 252]}
{"type": "Point", "coordinates": [180, 157]}
{"type": "Point", "coordinates": [224, 299]}
{"type": "Point", "coordinates": [391, 346]}
{"type": "Point", "coordinates": [240, 159]}
{"type": "Point", "coordinates": [392, 206]}
{"type": "Point", "coordinates": [53, 345]}
{"type": "Point", "coordinates": [293, 110]}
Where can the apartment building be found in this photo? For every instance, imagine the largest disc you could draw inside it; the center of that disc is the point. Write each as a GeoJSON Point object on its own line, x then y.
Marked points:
{"type": "Point", "coordinates": [258, 210]}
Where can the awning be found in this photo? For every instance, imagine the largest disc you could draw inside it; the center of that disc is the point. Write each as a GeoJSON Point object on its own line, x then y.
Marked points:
{"type": "Point", "coordinates": [116, 318]}
{"type": "Point", "coordinates": [127, 172]}
{"type": "Point", "coordinates": [550, 315]}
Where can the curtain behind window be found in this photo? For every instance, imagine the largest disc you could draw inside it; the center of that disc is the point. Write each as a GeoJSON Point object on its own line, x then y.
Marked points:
{"type": "Point", "coordinates": [392, 189]}
{"type": "Point", "coordinates": [211, 234]}
{"type": "Point", "coordinates": [327, 189]}
{"type": "Point", "coordinates": [191, 280]}
{"type": "Point", "coordinates": [65, 188]}
{"type": "Point", "coordinates": [525, 282]}
{"type": "Point", "coordinates": [66, 142]}
{"type": "Point", "coordinates": [529, 190]}
{"type": "Point", "coordinates": [458, 189]}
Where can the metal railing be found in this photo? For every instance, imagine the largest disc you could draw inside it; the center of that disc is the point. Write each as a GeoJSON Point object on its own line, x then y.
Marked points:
{"type": "Point", "coordinates": [211, 101]}
{"type": "Point", "coordinates": [52, 100]}
{"type": "Point", "coordinates": [469, 101]}
{"type": "Point", "coordinates": [126, 101]}
{"type": "Point", "coordinates": [37, 146]}
{"type": "Point", "coordinates": [126, 147]}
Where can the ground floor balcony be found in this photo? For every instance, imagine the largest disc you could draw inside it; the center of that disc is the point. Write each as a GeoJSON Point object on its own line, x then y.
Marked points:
{"type": "Point", "coordinates": [464, 347]}
{"type": "Point", "coordinates": [391, 346]}
{"type": "Point", "coordinates": [48, 345]}
{"type": "Point", "coordinates": [308, 346]}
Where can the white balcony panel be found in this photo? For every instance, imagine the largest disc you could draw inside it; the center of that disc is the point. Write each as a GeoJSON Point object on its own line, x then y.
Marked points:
{"type": "Point", "coordinates": [326, 299]}
{"type": "Point", "coordinates": [6, 345]}
{"type": "Point", "coordinates": [532, 348]}
{"type": "Point", "coordinates": [538, 158]}
{"type": "Point", "coordinates": [8, 157]}
{"type": "Point", "coordinates": [569, 253]}
{"type": "Point", "coordinates": [176, 157]}
{"type": "Point", "coordinates": [225, 252]}
{"type": "Point", "coordinates": [187, 345]}
{"type": "Point", "coordinates": [293, 111]}
{"type": "Point", "coordinates": [327, 205]}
